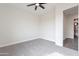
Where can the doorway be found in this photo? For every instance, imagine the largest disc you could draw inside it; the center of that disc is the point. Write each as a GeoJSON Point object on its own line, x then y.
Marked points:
{"type": "Point", "coordinates": [70, 28]}
{"type": "Point", "coordinates": [76, 34]}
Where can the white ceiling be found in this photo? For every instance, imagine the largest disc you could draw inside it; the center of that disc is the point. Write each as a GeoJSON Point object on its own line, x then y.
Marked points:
{"type": "Point", "coordinates": [40, 11]}
{"type": "Point", "coordinates": [73, 10]}
{"type": "Point", "coordinates": [31, 9]}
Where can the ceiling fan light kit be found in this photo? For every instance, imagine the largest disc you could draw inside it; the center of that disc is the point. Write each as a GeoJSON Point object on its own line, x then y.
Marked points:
{"type": "Point", "coordinates": [37, 5]}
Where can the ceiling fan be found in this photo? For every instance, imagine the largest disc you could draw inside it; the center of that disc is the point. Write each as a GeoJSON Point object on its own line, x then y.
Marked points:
{"type": "Point", "coordinates": [37, 5]}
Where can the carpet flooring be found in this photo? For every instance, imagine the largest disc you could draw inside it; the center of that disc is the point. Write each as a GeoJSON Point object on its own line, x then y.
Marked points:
{"type": "Point", "coordinates": [71, 43]}
{"type": "Point", "coordinates": [37, 47]}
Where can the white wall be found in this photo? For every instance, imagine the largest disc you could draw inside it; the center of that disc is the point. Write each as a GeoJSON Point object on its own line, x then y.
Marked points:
{"type": "Point", "coordinates": [48, 25]}
{"type": "Point", "coordinates": [65, 26]}
{"type": "Point", "coordinates": [59, 22]}
{"type": "Point", "coordinates": [59, 26]}
{"type": "Point", "coordinates": [78, 28]}
{"type": "Point", "coordinates": [69, 25]}
{"type": "Point", "coordinates": [17, 25]}
{"type": "Point", "coordinates": [52, 24]}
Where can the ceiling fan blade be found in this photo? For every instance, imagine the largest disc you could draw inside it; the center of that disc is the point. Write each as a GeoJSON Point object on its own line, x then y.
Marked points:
{"type": "Point", "coordinates": [42, 3]}
{"type": "Point", "coordinates": [31, 4]}
{"type": "Point", "coordinates": [35, 7]}
{"type": "Point", "coordinates": [42, 6]}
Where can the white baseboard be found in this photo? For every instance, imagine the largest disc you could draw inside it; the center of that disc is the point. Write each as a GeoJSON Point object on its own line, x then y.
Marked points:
{"type": "Point", "coordinates": [24, 40]}
{"type": "Point", "coordinates": [12, 43]}
{"type": "Point", "coordinates": [48, 39]}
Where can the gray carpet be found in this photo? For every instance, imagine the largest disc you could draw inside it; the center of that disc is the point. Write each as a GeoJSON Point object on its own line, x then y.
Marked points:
{"type": "Point", "coordinates": [37, 47]}
{"type": "Point", "coordinates": [71, 43]}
